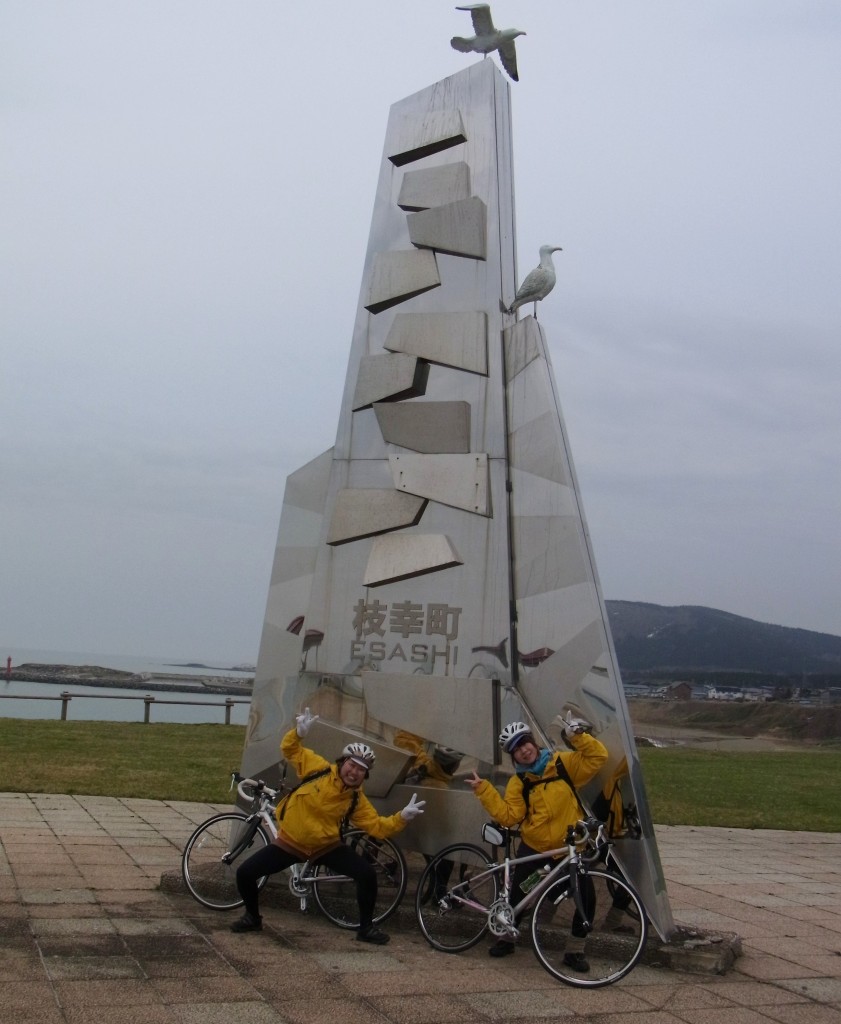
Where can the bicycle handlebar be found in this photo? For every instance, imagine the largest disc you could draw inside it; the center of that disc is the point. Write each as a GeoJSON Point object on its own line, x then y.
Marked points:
{"type": "Point", "coordinates": [590, 832]}
{"type": "Point", "coordinates": [257, 788]}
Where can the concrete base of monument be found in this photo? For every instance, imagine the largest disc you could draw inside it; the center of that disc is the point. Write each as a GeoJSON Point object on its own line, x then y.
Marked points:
{"type": "Point", "coordinates": [691, 950]}
{"type": "Point", "coordinates": [695, 951]}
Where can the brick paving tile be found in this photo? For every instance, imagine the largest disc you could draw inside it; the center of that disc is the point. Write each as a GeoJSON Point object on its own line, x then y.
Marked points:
{"type": "Point", "coordinates": [227, 1013]}
{"type": "Point", "coordinates": [120, 1015]}
{"type": "Point", "coordinates": [87, 934]}
{"type": "Point", "coordinates": [431, 1009]}
{"type": "Point", "coordinates": [317, 1011]}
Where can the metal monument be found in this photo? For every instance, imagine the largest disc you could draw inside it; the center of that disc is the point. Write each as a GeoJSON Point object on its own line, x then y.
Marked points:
{"type": "Point", "coordinates": [433, 577]}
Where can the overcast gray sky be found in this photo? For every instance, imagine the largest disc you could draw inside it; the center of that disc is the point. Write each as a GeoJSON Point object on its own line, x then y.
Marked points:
{"type": "Point", "coordinates": [186, 189]}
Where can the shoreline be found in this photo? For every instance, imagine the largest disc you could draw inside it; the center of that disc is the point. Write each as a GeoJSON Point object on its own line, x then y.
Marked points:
{"type": "Point", "coordinates": [96, 675]}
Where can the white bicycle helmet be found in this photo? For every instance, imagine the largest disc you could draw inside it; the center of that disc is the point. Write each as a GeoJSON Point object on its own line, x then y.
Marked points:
{"type": "Point", "coordinates": [359, 753]}
{"type": "Point", "coordinates": [513, 735]}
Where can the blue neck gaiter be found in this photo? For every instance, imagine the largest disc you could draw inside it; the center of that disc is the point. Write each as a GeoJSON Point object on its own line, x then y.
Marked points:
{"type": "Point", "coordinates": [539, 765]}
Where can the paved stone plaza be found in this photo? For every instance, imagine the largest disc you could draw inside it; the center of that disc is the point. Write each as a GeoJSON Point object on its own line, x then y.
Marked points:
{"type": "Point", "coordinates": [87, 935]}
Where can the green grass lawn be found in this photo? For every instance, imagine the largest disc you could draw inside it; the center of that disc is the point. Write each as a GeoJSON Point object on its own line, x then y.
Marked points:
{"type": "Point", "coordinates": [158, 761]}
{"type": "Point", "coordinates": [790, 790]}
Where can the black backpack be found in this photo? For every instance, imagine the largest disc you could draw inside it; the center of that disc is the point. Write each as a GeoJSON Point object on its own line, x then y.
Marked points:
{"type": "Point", "coordinates": [562, 776]}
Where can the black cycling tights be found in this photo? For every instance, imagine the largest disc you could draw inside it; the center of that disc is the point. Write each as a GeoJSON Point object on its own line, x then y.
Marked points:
{"type": "Point", "coordinates": [342, 859]}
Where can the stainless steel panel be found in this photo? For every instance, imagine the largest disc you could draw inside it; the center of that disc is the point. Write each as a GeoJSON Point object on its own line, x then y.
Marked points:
{"type": "Point", "coordinates": [522, 345]}
{"type": "Point", "coordinates": [398, 276]}
{"type": "Point", "coordinates": [385, 376]}
{"type": "Point", "coordinates": [406, 555]}
{"type": "Point", "coordinates": [364, 512]}
{"type": "Point", "coordinates": [419, 135]}
{"type": "Point", "coordinates": [459, 228]}
{"type": "Point", "coordinates": [434, 186]}
{"type": "Point", "coordinates": [454, 811]}
{"type": "Point", "coordinates": [461, 481]}
{"type": "Point", "coordinates": [534, 449]}
{"type": "Point", "coordinates": [550, 555]}
{"type": "Point", "coordinates": [458, 712]}
{"type": "Point", "coordinates": [452, 339]}
{"type": "Point", "coordinates": [425, 426]}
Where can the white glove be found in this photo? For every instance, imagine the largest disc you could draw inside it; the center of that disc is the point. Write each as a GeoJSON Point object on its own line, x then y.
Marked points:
{"type": "Point", "coordinates": [574, 726]}
{"type": "Point", "coordinates": [303, 722]}
{"type": "Point", "coordinates": [413, 808]}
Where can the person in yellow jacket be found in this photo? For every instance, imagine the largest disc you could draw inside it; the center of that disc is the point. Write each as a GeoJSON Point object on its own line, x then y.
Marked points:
{"type": "Point", "coordinates": [310, 822]}
{"type": "Point", "coordinates": [435, 769]}
{"type": "Point", "coordinates": [540, 799]}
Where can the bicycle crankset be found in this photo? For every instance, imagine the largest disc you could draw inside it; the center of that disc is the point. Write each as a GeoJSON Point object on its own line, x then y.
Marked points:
{"type": "Point", "coordinates": [501, 920]}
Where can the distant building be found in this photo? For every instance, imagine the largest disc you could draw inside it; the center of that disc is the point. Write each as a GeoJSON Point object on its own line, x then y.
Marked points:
{"type": "Point", "coordinates": [674, 691]}
{"type": "Point", "coordinates": [637, 690]}
{"type": "Point", "coordinates": [725, 693]}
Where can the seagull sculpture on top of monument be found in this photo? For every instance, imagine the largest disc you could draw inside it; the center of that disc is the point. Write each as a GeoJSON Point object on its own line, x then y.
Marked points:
{"type": "Point", "coordinates": [488, 38]}
{"type": "Point", "coordinates": [538, 282]}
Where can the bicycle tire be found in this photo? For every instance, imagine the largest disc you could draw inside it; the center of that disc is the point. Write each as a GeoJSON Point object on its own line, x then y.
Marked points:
{"type": "Point", "coordinates": [336, 896]}
{"type": "Point", "coordinates": [208, 877]}
{"type": "Point", "coordinates": [619, 896]}
{"type": "Point", "coordinates": [611, 949]}
{"type": "Point", "coordinates": [447, 922]}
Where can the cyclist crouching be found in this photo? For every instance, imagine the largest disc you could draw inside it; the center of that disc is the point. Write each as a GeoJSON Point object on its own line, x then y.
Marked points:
{"type": "Point", "coordinates": [541, 798]}
{"type": "Point", "coordinates": [310, 826]}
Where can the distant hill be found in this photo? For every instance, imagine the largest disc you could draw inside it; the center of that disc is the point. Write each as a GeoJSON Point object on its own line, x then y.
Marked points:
{"type": "Point", "coordinates": [653, 639]}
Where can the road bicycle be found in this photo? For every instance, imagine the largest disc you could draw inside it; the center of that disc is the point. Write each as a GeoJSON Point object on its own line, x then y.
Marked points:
{"type": "Point", "coordinates": [219, 845]}
{"type": "Point", "coordinates": [575, 892]}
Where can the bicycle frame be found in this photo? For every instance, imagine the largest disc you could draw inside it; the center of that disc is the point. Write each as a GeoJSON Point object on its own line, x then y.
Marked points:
{"type": "Point", "coordinates": [503, 917]}
{"type": "Point", "coordinates": [464, 893]}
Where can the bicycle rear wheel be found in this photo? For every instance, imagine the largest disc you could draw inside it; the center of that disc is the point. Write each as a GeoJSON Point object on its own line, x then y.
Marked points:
{"type": "Point", "coordinates": [614, 942]}
{"type": "Point", "coordinates": [336, 895]}
{"type": "Point", "coordinates": [454, 896]}
{"type": "Point", "coordinates": [214, 852]}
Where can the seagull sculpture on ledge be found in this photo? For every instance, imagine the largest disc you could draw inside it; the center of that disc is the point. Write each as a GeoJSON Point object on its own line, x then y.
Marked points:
{"type": "Point", "coordinates": [488, 38]}
{"type": "Point", "coordinates": [538, 283]}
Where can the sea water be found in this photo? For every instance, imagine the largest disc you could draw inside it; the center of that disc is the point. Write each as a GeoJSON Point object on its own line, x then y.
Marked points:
{"type": "Point", "coordinates": [100, 703]}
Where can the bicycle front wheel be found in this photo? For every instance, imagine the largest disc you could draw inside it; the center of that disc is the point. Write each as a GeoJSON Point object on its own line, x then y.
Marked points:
{"type": "Point", "coordinates": [604, 952]}
{"type": "Point", "coordinates": [336, 895]}
{"type": "Point", "coordinates": [214, 852]}
{"type": "Point", "coordinates": [455, 893]}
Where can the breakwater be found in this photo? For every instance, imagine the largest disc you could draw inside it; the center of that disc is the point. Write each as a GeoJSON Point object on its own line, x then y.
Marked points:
{"type": "Point", "coordinates": [96, 675]}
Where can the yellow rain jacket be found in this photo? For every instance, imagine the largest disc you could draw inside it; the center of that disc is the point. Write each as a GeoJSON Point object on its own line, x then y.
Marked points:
{"type": "Point", "coordinates": [552, 807]}
{"type": "Point", "coordinates": [313, 814]}
{"type": "Point", "coordinates": [425, 767]}
{"type": "Point", "coordinates": [612, 799]}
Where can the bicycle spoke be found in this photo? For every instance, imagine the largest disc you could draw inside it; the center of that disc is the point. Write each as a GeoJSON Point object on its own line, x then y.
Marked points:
{"type": "Point", "coordinates": [612, 945]}
{"type": "Point", "coordinates": [336, 894]}
{"type": "Point", "coordinates": [210, 879]}
{"type": "Point", "coordinates": [454, 895]}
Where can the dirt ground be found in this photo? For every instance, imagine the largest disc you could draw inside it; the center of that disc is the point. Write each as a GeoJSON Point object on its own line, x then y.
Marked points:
{"type": "Point", "coordinates": [674, 735]}
{"type": "Point", "coordinates": [733, 727]}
